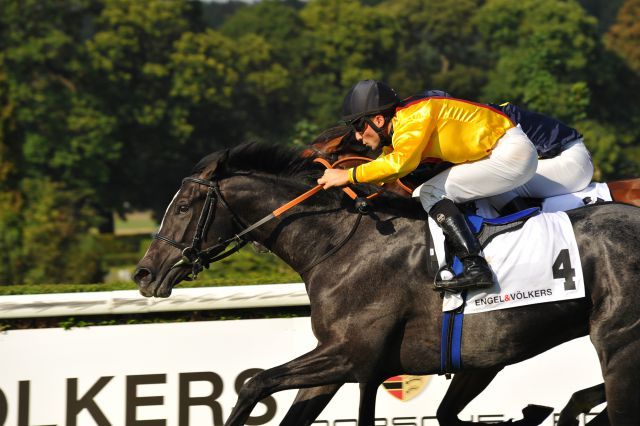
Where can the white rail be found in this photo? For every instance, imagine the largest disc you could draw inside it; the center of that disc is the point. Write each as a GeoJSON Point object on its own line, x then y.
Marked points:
{"type": "Point", "coordinates": [131, 302]}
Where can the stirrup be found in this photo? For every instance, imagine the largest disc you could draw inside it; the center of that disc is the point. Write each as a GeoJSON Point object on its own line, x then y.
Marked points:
{"type": "Point", "coordinates": [446, 280]}
{"type": "Point", "coordinates": [444, 274]}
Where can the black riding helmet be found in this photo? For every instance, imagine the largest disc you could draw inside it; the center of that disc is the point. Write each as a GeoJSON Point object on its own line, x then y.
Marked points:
{"type": "Point", "coordinates": [368, 97]}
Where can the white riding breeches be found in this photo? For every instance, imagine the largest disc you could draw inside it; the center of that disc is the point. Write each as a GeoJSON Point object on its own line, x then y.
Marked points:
{"type": "Point", "coordinates": [511, 164]}
{"type": "Point", "coordinates": [569, 171]}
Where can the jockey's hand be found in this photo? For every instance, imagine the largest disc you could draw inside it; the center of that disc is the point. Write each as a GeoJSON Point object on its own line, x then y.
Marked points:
{"type": "Point", "coordinates": [334, 177]}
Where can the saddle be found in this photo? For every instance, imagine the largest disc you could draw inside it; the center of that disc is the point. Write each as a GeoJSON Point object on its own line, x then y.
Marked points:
{"type": "Point", "coordinates": [486, 229]}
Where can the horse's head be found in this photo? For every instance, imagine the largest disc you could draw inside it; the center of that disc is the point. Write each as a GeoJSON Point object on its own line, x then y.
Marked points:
{"type": "Point", "coordinates": [196, 226]}
{"type": "Point", "coordinates": [336, 143]}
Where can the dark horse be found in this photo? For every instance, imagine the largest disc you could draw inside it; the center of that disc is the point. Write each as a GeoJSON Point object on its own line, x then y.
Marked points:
{"type": "Point", "coordinates": [372, 322]}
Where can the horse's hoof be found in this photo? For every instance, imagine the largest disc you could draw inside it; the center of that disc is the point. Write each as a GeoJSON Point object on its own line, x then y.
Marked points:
{"type": "Point", "coordinates": [534, 415]}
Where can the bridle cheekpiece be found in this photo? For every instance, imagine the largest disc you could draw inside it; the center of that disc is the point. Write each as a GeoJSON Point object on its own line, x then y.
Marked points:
{"type": "Point", "coordinates": [193, 255]}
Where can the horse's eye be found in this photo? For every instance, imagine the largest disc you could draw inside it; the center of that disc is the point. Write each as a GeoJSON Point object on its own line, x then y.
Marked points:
{"type": "Point", "coordinates": [183, 208]}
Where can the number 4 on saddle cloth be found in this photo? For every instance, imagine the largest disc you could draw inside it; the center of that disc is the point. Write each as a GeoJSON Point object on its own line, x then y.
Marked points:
{"type": "Point", "coordinates": [534, 257]}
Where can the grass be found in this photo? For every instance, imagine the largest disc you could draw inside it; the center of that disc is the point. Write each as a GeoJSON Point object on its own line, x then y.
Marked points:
{"type": "Point", "coordinates": [243, 268]}
{"type": "Point", "coordinates": [135, 223]}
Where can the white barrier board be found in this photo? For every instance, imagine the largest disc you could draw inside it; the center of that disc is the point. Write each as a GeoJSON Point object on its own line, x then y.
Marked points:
{"type": "Point", "coordinates": [185, 374]}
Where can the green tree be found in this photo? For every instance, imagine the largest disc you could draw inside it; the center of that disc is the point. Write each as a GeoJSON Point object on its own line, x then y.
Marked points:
{"type": "Point", "coordinates": [437, 47]}
{"type": "Point", "coordinates": [9, 152]}
{"type": "Point", "coordinates": [274, 26]}
{"type": "Point", "coordinates": [10, 236]}
{"type": "Point", "coordinates": [43, 66]}
{"type": "Point", "coordinates": [56, 244]}
{"type": "Point", "coordinates": [342, 42]}
{"type": "Point", "coordinates": [542, 51]}
{"type": "Point", "coordinates": [604, 11]}
{"type": "Point", "coordinates": [45, 118]}
{"type": "Point", "coordinates": [624, 35]}
{"type": "Point", "coordinates": [274, 20]}
{"type": "Point", "coordinates": [131, 77]}
{"type": "Point", "coordinates": [614, 82]}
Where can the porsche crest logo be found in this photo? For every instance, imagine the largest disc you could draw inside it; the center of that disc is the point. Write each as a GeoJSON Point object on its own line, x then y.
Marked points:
{"type": "Point", "coordinates": [405, 387]}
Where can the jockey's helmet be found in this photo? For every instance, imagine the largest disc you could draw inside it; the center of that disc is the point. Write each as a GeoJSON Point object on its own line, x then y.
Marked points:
{"type": "Point", "coordinates": [366, 98]}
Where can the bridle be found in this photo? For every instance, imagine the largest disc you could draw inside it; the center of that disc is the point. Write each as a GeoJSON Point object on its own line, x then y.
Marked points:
{"type": "Point", "coordinates": [193, 255]}
{"type": "Point", "coordinates": [199, 259]}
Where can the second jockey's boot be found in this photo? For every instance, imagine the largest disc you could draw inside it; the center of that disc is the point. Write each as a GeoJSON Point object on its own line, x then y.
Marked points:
{"type": "Point", "coordinates": [476, 272]}
{"type": "Point", "coordinates": [515, 205]}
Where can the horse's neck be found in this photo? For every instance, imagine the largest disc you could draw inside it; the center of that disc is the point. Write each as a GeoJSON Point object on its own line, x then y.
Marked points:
{"type": "Point", "coordinates": [300, 235]}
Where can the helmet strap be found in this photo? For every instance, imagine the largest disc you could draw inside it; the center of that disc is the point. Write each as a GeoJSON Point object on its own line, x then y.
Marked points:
{"type": "Point", "coordinates": [385, 139]}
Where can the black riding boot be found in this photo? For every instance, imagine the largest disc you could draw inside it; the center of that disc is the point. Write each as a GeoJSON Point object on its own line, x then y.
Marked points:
{"type": "Point", "coordinates": [515, 205]}
{"type": "Point", "coordinates": [476, 272]}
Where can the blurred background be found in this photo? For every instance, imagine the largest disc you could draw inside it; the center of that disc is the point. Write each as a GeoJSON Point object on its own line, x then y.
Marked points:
{"type": "Point", "coordinates": [106, 104]}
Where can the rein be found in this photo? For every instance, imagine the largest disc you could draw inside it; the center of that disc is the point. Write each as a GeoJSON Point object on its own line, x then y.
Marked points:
{"type": "Point", "coordinates": [199, 259]}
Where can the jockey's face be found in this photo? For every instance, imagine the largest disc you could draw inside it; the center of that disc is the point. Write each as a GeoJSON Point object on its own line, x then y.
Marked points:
{"type": "Point", "coordinates": [368, 136]}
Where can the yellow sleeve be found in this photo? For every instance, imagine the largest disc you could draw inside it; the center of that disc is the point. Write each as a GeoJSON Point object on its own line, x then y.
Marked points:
{"type": "Point", "coordinates": [412, 130]}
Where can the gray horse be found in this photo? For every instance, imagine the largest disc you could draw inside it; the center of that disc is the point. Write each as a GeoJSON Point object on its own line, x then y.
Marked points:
{"type": "Point", "coordinates": [372, 308]}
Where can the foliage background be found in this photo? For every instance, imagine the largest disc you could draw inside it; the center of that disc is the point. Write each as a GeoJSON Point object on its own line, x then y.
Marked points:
{"type": "Point", "coordinates": [106, 104]}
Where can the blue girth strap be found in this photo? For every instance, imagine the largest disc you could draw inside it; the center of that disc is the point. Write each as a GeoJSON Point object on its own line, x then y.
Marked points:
{"type": "Point", "coordinates": [451, 348]}
{"type": "Point", "coordinates": [451, 337]}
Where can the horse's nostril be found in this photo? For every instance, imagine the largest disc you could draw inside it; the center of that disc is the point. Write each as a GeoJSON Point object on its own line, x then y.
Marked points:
{"type": "Point", "coordinates": [142, 276]}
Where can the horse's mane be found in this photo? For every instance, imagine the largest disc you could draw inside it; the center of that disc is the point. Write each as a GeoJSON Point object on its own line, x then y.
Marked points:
{"type": "Point", "coordinates": [347, 142]}
{"type": "Point", "coordinates": [285, 162]}
{"type": "Point", "coordinates": [332, 133]}
{"type": "Point", "coordinates": [257, 157]}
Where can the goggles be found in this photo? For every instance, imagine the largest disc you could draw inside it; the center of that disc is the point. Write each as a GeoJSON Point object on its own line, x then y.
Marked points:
{"type": "Point", "coordinates": [359, 124]}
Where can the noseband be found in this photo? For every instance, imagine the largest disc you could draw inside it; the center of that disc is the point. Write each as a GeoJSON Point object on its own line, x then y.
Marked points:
{"type": "Point", "coordinates": [193, 255]}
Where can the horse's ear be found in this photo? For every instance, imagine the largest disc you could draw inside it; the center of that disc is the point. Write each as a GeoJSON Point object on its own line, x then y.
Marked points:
{"type": "Point", "coordinates": [216, 166]}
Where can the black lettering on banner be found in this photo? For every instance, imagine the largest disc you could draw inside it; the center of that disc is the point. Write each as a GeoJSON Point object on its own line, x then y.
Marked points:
{"type": "Point", "coordinates": [187, 401]}
{"type": "Point", "coordinates": [404, 421]}
{"type": "Point", "coordinates": [23, 403]}
{"type": "Point", "coordinates": [320, 422]}
{"type": "Point", "coordinates": [380, 422]}
{"type": "Point", "coordinates": [346, 421]}
{"type": "Point", "coordinates": [134, 401]}
{"type": "Point", "coordinates": [4, 408]}
{"type": "Point", "coordinates": [75, 405]}
{"type": "Point", "coordinates": [429, 420]}
{"type": "Point", "coordinates": [562, 269]}
{"type": "Point", "coordinates": [269, 401]}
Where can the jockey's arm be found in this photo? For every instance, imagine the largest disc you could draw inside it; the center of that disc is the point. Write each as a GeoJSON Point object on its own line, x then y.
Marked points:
{"type": "Point", "coordinates": [334, 177]}
{"type": "Point", "coordinates": [409, 141]}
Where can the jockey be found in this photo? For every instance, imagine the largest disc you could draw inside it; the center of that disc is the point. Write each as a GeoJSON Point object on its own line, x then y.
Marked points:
{"type": "Point", "coordinates": [491, 155]}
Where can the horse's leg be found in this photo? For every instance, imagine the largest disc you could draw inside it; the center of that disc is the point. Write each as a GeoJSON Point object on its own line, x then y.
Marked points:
{"type": "Point", "coordinates": [322, 366]}
{"type": "Point", "coordinates": [616, 336]}
{"type": "Point", "coordinates": [464, 387]}
{"type": "Point", "coordinates": [581, 402]}
{"type": "Point", "coordinates": [310, 402]}
{"type": "Point", "coordinates": [621, 381]}
{"type": "Point", "coordinates": [367, 411]}
{"type": "Point", "coordinates": [308, 405]}
{"type": "Point", "coordinates": [602, 419]}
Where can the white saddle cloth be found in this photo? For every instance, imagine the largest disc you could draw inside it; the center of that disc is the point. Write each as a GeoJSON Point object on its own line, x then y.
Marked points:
{"type": "Point", "coordinates": [536, 264]}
